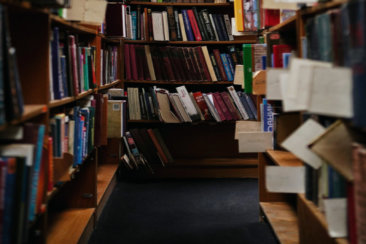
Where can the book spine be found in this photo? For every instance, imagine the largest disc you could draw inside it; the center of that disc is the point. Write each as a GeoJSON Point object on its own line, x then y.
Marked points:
{"type": "Point", "coordinates": [238, 14]}
{"type": "Point", "coordinates": [177, 25]}
{"type": "Point", "coordinates": [237, 102]}
{"type": "Point", "coordinates": [187, 26]}
{"type": "Point", "coordinates": [208, 25]}
{"type": "Point", "coordinates": [172, 25]}
{"type": "Point", "coordinates": [231, 64]}
{"type": "Point", "coordinates": [228, 27]}
{"type": "Point", "coordinates": [203, 63]}
{"type": "Point", "coordinates": [221, 23]}
{"type": "Point", "coordinates": [226, 67]}
{"type": "Point", "coordinates": [217, 37]}
{"type": "Point", "coordinates": [201, 25]}
{"type": "Point", "coordinates": [247, 61]}
{"type": "Point", "coordinates": [194, 25]}
{"type": "Point", "coordinates": [219, 63]}
{"type": "Point", "coordinates": [215, 67]}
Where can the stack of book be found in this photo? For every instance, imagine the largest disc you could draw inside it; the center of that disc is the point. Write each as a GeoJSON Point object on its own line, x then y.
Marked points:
{"type": "Point", "coordinates": [170, 63]}
{"type": "Point", "coordinates": [108, 65]}
{"type": "Point", "coordinates": [159, 104]}
{"type": "Point", "coordinates": [11, 97]}
{"type": "Point", "coordinates": [72, 64]}
{"type": "Point", "coordinates": [144, 148]}
{"type": "Point", "coordinates": [169, 25]}
{"type": "Point", "coordinates": [22, 183]}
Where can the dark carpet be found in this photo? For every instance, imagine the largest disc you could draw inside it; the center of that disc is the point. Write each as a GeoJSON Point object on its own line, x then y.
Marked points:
{"type": "Point", "coordinates": [183, 211]}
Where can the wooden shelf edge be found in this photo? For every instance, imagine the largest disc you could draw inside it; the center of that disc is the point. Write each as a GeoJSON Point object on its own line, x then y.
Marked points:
{"type": "Point", "coordinates": [323, 7]}
{"type": "Point", "coordinates": [179, 82]}
{"type": "Point", "coordinates": [84, 94]}
{"type": "Point", "coordinates": [284, 158]}
{"type": "Point", "coordinates": [103, 87]}
{"type": "Point", "coordinates": [105, 175]}
{"type": "Point", "coordinates": [283, 220]}
{"type": "Point", "coordinates": [289, 21]}
{"type": "Point", "coordinates": [69, 225]}
{"type": "Point", "coordinates": [71, 25]}
{"type": "Point", "coordinates": [30, 111]}
{"type": "Point", "coordinates": [60, 102]}
{"type": "Point", "coordinates": [228, 4]}
{"type": "Point", "coordinates": [248, 39]}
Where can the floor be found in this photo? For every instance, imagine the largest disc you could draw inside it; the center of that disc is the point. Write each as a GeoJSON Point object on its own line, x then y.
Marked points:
{"type": "Point", "coordinates": [183, 211]}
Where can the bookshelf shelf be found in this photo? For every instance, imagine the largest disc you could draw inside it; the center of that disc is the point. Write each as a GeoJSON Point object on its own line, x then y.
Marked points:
{"type": "Point", "coordinates": [57, 103]}
{"type": "Point", "coordinates": [180, 82]}
{"type": "Point", "coordinates": [312, 220]}
{"type": "Point", "coordinates": [247, 39]}
{"type": "Point", "coordinates": [323, 7]}
{"type": "Point", "coordinates": [283, 158]}
{"type": "Point", "coordinates": [30, 111]}
{"type": "Point", "coordinates": [215, 162]}
{"type": "Point", "coordinates": [105, 174]}
{"type": "Point", "coordinates": [114, 83]}
{"type": "Point", "coordinates": [84, 94]}
{"type": "Point", "coordinates": [283, 220]}
{"type": "Point", "coordinates": [219, 5]}
{"type": "Point", "coordinates": [72, 26]}
{"type": "Point", "coordinates": [68, 226]}
{"type": "Point", "coordinates": [285, 25]}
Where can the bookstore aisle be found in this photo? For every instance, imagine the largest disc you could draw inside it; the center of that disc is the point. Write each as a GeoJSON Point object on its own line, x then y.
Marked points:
{"type": "Point", "coordinates": [183, 211]}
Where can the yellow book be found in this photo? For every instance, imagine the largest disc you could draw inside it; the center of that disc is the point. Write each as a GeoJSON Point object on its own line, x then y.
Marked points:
{"type": "Point", "coordinates": [238, 14]}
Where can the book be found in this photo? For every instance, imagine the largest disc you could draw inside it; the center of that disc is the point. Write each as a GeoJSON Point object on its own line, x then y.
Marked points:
{"type": "Point", "coordinates": [187, 103]}
{"type": "Point", "coordinates": [237, 102]}
{"type": "Point", "coordinates": [248, 76]}
{"type": "Point", "coordinates": [158, 26]}
{"type": "Point", "coordinates": [115, 119]}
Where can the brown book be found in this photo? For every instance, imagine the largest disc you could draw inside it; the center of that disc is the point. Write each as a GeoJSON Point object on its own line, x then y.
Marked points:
{"type": "Point", "coordinates": [156, 62]}
{"type": "Point", "coordinates": [98, 119]}
{"type": "Point", "coordinates": [197, 64]}
{"type": "Point", "coordinates": [191, 62]}
{"type": "Point", "coordinates": [203, 64]}
{"type": "Point", "coordinates": [180, 62]}
{"type": "Point", "coordinates": [158, 147]}
{"type": "Point", "coordinates": [219, 63]}
{"type": "Point", "coordinates": [174, 61]}
{"type": "Point", "coordinates": [167, 64]}
{"type": "Point", "coordinates": [187, 63]}
{"type": "Point", "coordinates": [230, 105]}
{"type": "Point", "coordinates": [171, 23]}
{"type": "Point", "coordinates": [221, 108]}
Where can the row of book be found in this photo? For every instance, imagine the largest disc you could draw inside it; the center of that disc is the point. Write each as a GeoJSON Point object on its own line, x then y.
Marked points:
{"type": "Point", "coordinates": [22, 179]}
{"type": "Point", "coordinates": [170, 63]}
{"type": "Point", "coordinates": [145, 147]}
{"type": "Point", "coordinates": [11, 97]}
{"type": "Point", "coordinates": [73, 65]}
{"type": "Point", "coordinates": [169, 25]}
{"type": "Point", "coordinates": [336, 36]}
{"type": "Point", "coordinates": [177, 107]}
{"type": "Point", "coordinates": [181, 1]}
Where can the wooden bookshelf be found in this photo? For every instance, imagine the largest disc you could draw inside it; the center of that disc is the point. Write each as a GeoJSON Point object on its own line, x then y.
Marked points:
{"type": "Point", "coordinates": [84, 94]}
{"type": "Point", "coordinates": [72, 26]}
{"type": "Point", "coordinates": [312, 223]}
{"type": "Point", "coordinates": [250, 39]}
{"type": "Point", "coordinates": [283, 220]}
{"type": "Point", "coordinates": [284, 158]}
{"type": "Point", "coordinates": [321, 7]}
{"type": "Point", "coordinates": [68, 226]}
{"type": "Point", "coordinates": [162, 82]}
{"type": "Point", "coordinates": [290, 23]}
{"type": "Point", "coordinates": [218, 5]}
{"type": "Point", "coordinates": [61, 102]}
{"type": "Point", "coordinates": [107, 86]}
{"type": "Point", "coordinates": [215, 162]}
{"type": "Point", "coordinates": [105, 174]}
{"type": "Point", "coordinates": [30, 111]}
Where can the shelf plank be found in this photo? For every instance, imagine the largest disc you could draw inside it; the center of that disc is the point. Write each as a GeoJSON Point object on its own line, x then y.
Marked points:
{"type": "Point", "coordinates": [76, 27]}
{"type": "Point", "coordinates": [215, 162]}
{"type": "Point", "coordinates": [105, 174]}
{"type": "Point", "coordinates": [250, 39]}
{"type": "Point", "coordinates": [84, 94]}
{"type": "Point", "coordinates": [180, 82]}
{"type": "Point", "coordinates": [321, 7]}
{"type": "Point", "coordinates": [68, 226]}
{"type": "Point", "coordinates": [313, 224]}
{"type": "Point", "coordinates": [103, 87]}
{"type": "Point", "coordinates": [283, 158]}
{"type": "Point", "coordinates": [284, 25]}
{"type": "Point", "coordinates": [283, 220]}
{"type": "Point", "coordinates": [30, 111]}
{"type": "Point", "coordinates": [60, 102]}
{"type": "Point", "coordinates": [182, 4]}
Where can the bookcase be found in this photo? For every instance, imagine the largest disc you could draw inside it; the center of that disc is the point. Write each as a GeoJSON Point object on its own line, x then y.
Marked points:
{"type": "Point", "coordinates": [71, 196]}
{"type": "Point", "coordinates": [305, 214]}
{"type": "Point", "coordinates": [201, 149]}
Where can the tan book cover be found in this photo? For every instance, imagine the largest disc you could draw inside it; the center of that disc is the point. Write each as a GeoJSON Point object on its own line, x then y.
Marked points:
{"type": "Point", "coordinates": [209, 63]}
{"type": "Point", "coordinates": [150, 62]}
{"type": "Point", "coordinates": [164, 108]}
{"type": "Point", "coordinates": [115, 119]}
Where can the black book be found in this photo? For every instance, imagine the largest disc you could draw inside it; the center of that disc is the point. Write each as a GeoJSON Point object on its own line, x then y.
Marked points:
{"type": "Point", "coordinates": [142, 105]}
{"type": "Point", "coordinates": [176, 19]}
{"type": "Point", "coordinates": [222, 27]}
{"type": "Point", "coordinates": [201, 25]}
{"type": "Point", "coordinates": [138, 23]}
{"type": "Point", "coordinates": [207, 25]}
{"type": "Point", "coordinates": [216, 68]}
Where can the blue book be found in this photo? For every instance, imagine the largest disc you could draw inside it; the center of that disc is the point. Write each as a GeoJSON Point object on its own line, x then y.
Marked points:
{"type": "Point", "coordinates": [58, 91]}
{"type": "Point", "coordinates": [226, 67]}
{"type": "Point", "coordinates": [231, 64]}
{"type": "Point", "coordinates": [134, 24]}
{"type": "Point", "coordinates": [245, 104]}
{"type": "Point", "coordinates": [252, 107]}
{"type": "Point", "coordinates": [267, 116]}
{"type": "Point", "coordinates": [85, 112]}
{"type": "Point", "coordinates": [286, 59]}
{"type": "Point", "coordinates": [77, 137]}
{"type": "Point", "coordinates": [81, 140]}
{"type": "Point", "coordinates": [264, 62]}
{"type": "Point", "coordinates": [187, 25]}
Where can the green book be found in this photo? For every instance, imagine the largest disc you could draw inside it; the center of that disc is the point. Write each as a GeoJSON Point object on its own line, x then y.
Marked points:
{"type": "Point", "coordinates": [86, 51]}
{"type": "Point", "coordinates": [247, 61]}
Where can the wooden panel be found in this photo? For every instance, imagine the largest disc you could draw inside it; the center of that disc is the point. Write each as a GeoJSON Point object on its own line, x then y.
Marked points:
{"type": "Point", "coordinates": [68, 226]}
{"type": "Point", "coordinates": [206, 173]}
{"type": "Point", "coordinates": [283, 158]}
{"type": "Point", "coordinates": [264, 195]}
{"type": "Point", "coordinates": [312, 224]}
{"type": "Point", "coordinates": [110, 154]}
{"type": "Point", "coordinates": [32, 54]}
{"type": "Point", "coordinates": [283, 220]}
{"type": "Point", "coordinates": [62, 167]}
{"type": "Point", "coordinates": [214, 162]}
{"type": "Point", "coordinates": [287, 25]}
{"type": "Point", "coordinates": [105, 174]}
{"type": "Point", "coordinates": [105, 196]}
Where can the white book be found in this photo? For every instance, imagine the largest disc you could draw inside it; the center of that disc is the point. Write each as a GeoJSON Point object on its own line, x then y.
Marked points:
{"type": "Point", "coordinates": [187, 102]}
{"type": "Point", "coordinates": [237, 102]}
{"type": "Point", "coordinates": [158, 26]}
{"type": "Point", "coordinates": [19, 150]}
{"type": "Point", "coordinates": [166, 25]}
{"type": "Point", "coordinates": [129, 22]}
{"type": "Point", "coordinates": [211, 107]}
{"type": "Point", "coordinates": [124, 24]}
{"type": "Point", "coordinates": [182, 28]}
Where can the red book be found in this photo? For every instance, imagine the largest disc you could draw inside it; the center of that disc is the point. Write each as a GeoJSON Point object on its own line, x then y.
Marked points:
{"type": "Point", "coordinates": [203, 62]}
{"type": "Point", "coordinates": [219, 63]}
{"type": "Point", "coordinates": [167, 63]}
{"type": "Point", "coordinates": [278, 50]}
{"type": "Point", "coordinates": [351, 214]}
{"type": "Point", "coordinates": [194, 25]}
{"type": "Point", "coordinates": [139, 61]}
{"type": "Point", "coordinates": [75, 77]}
{"type": "Point", "coordinates": [133, 62]}
{"type": "Point", "coordinates": [127, 62]}
{"type": "Point", "coordinates": [218, 107]}
{"type": "Point", "coordinates": [202, 105]}
{"type": "Point", "coordinates": [223, 106]}
{"type": "Point", "coordinates": [196, 64]}
{"type": "Point", "coordinates": [271, 17]}
{"type": "Point", "coordinates": [231, 107]}
{"type": "Point", "coordinates": [158, 147]}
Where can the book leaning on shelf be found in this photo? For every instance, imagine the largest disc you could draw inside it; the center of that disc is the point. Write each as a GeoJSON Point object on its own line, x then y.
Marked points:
{"type": "Point", "coordinates": [171, 63]}
{"type": "Point", "coordinates": [182, 106]}
{"type": "Point", "coordinates": [168, 25]}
